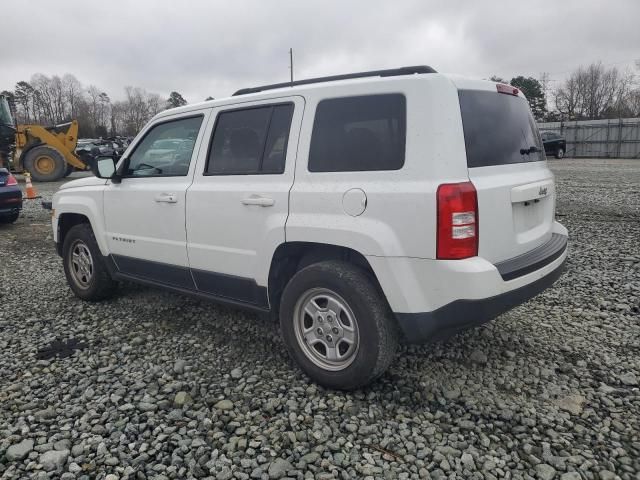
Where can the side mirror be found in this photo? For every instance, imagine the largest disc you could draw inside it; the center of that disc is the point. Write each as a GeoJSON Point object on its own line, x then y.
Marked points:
{"type": "Point", "coordinates": [103, 167]}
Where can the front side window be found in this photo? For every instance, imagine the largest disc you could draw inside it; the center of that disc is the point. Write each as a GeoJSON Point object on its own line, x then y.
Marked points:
{"type": "Point", "coordinates": [365, 133]}
{"type": "Point", "coordinates": [166, 149]}
{"type": "Point", "coordinates": [250, 141]}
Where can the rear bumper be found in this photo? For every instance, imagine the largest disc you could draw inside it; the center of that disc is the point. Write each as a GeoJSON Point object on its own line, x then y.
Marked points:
{"type": "Point", "coordinates": [433, 298]}
{"type": "Point", "coordinates": [462, 314]}
{"type": "Point", "coordinates": [10, 200]}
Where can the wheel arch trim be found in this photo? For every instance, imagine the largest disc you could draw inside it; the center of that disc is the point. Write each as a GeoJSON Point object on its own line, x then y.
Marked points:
{"type": "Point", "coordinates": [84, 206]}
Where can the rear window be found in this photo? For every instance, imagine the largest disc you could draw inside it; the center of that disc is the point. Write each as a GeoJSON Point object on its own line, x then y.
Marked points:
{"type": "Point", "coordinates": [357, 134]}
{"type": "Point", "coordinates": [498, 129]}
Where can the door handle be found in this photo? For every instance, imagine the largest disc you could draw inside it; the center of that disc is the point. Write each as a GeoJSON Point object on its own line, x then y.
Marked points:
{"type": "Point", "coordinates": [166, 198]}
{"type": "Point", "coordinates": [258, 200]}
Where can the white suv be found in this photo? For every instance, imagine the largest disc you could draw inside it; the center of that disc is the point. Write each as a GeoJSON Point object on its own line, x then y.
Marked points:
{"type": "Point", "coordinates": [363, 210]}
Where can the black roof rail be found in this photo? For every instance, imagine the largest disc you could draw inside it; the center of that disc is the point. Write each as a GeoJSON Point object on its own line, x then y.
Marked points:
{"type": "Point", "coordinates": [393, 72]}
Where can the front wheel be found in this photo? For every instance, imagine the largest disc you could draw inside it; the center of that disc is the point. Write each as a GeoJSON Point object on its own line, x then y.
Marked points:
{"type": "Point", "coordinates": [84, 266]}
{"type": "Point", "coordinates": [337, 326]}
{"type": "Point", "coordinates": [560, 153]}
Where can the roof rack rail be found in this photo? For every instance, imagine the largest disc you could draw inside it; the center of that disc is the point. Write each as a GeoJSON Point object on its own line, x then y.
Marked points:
{"type": "Point", "coordinates": [393, 72]}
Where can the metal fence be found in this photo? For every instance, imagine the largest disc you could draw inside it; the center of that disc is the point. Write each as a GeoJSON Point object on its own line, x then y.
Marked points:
{"type": "Point", "coordinates": [615, 138]}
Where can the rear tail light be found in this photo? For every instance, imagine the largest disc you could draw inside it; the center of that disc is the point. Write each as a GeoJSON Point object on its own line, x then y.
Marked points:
{"type": "Point", "coordinates": [457, 221]}
{"type": "Point", "coordinates": [508, 89]}
{"type": "Point", "coordinates": [11, 181]}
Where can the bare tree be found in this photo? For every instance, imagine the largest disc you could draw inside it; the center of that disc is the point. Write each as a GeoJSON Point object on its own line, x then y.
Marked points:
{"type": "Point", "coordinates": [594, 92]}
{"type": "Point", "coordinates": [73, 93]}
{"type": "Point", "coordinates": [51, 100]}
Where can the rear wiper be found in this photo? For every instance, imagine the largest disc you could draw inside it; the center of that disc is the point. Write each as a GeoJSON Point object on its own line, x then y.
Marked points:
{"type": "Point", "coordinates": [527, 151]}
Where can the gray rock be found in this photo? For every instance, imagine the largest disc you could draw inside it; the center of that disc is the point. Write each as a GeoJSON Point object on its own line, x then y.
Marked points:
{"type": "Point", "coordinates": [451, 393]}
{"type": "Point", "coordinates": [53, 460]}
{"type": "Point", "coordinates": [182, 398]}
{"type": "Point", "coordinates": [45, 414]}
{"type": "Point", "coordinates": [468, 462]}
{"type": "Point", "coordinates": [570, 476]}
{"type": "Point", "coordinates": [236, 373]}
{"type": "Point", "coordinates": [607, 475]}
{"type": "Point", "coordinates": [545, 472]}
{"type": "Point", "coordinates": [279, 468]}
{"type": "Point", "coordinates": [64, 444]}
{"type": "Point", "coordinates": [224, 405]}
{"type": "Point", "coordinates": [77, 450]}
{"type": "Point", "coordinates": [179, 366]}
{"type": "Point", "coordinates": [19, 451]}
{"type": "Point", "coordinates": [571, 403]}
{"type": "Point", "coordinates": [311, 457]}
{"type": "Point", "coordinates": [629, 379]}
{"type": "Point", "coordinates": [478, 356]}
{"type": "Point", "coordinates": [147, 407]}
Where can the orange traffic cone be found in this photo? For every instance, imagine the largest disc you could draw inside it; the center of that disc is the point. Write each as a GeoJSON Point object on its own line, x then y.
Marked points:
{"type": "Point", "coordinates": [31, 191]}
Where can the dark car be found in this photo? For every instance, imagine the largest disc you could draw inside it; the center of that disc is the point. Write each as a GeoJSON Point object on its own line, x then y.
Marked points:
{"type": "Point", "coordinates": [10, 197]}
{"type": "Point", "coordinates": [554, 144]}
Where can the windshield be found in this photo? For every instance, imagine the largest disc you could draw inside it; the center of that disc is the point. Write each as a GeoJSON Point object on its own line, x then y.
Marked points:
{"type": "Point", "coordinates": [498, 129]}
{"type": "Point", "coordinates": [5, 113]}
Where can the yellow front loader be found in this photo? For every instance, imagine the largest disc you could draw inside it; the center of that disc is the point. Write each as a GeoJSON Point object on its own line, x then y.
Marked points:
{"type": "Point", "coordinates": [47, 153]}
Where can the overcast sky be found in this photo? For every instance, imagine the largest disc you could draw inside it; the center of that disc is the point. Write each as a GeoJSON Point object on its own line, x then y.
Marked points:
{"type": "Point", "coordinates": [203, 48]}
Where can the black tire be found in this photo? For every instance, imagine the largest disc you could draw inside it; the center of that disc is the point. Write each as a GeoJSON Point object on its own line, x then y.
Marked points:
{"type": "Point", "coordinates": [378, 334]}
{"type": "Point", "coordinates": [9, 218]}
{"type": "Point", "coordinates": [58, 165]}
{"type": "Point", "coordinates": [100, 285]}
{"type": "Point", "coordinates": [69, 170]}
{"type": "Point", "coordinates": [560, 153]}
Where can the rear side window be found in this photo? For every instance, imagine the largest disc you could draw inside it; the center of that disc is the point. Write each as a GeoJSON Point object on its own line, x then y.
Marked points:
{"type": "Point", "coordinates": [498, 129]}
{"type": "Point", "coordinates": [250, 141]}
{"type": "Point", "coordinates": [362, 133]}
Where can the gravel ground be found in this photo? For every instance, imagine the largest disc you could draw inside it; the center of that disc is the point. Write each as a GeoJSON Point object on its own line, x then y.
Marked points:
{"type": "Point", "coordinates": [161, 386]}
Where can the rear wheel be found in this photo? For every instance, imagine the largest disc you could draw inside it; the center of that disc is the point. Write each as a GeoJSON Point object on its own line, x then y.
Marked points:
{"type": "Point", "coordinates": [45, 164]}
{"type": "Point", "coordinates": [70, 169]}
{"type": "Point", "coordinates": [84, 266]}
{"type": "Point", "coordinates": [337, 326]}
{"type": "Point", "coordinates": [560, 153]}
{"type": "Point", "coordinates": [9, 218]}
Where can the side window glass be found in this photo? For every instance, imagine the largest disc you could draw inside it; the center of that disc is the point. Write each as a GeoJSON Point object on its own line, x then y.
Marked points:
{"type": "Point", "coordinates": [166, 149]}
{"type": "Point", "coordinates": [250, 141]}
{"type": "Point", "coordinates": [275, 151]}
{"type": "Point", "coordinates": [363, 133]}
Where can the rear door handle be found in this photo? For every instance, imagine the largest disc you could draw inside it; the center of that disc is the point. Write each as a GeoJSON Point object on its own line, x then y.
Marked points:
{"type": "Point", "coordinates": [258, 200]}
{"type": "Point", "coordinates": [166, 198]}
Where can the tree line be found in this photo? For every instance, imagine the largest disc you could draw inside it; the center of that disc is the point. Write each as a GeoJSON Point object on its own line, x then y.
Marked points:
{"type": "Point", "coordinates": [589, 93]}
{"type": "Point", "coordinates": [593, 92]}
{"type": "Point", "coordinates": [54, 100]}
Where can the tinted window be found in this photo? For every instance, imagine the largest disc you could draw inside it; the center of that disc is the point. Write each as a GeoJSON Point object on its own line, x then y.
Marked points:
{"type": "Point", "coordinates": [498, 129]}
{"type": "Point", "coordinates": [359, 134]}
{"type": "Point", "coordinates": [275, 151]}
{"type": "Point", "coordinates": [166, 149]}
{"type": "Point", "coordinates": [250, 141]}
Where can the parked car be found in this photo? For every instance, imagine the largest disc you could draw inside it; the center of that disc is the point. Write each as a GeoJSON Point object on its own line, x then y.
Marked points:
{"type": "Point", "coordinates": [10, 197]}
{"type": "Point", "coordinates": [362, 210]}
{"type": "Point", "coordinates": [554, 144]}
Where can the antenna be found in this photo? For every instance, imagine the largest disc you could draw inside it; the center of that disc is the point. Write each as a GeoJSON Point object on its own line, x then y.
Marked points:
{"type": "Point", "coordinates": [291, 63]}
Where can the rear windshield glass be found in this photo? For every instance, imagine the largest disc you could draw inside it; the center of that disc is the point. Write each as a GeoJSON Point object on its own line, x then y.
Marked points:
{"type": "Point", "coordinates": [498, 129]}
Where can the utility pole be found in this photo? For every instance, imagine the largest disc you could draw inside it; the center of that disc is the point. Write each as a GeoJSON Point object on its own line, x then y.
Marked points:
{"type": "Point", "coordinates": [544, 81]}
{"type": "Point", "coordinates": [291, 63]}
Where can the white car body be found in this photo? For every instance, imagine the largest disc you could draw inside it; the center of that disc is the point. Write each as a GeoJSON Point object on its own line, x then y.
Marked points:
{"type": "Point", "coordinates": [217, 235]}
